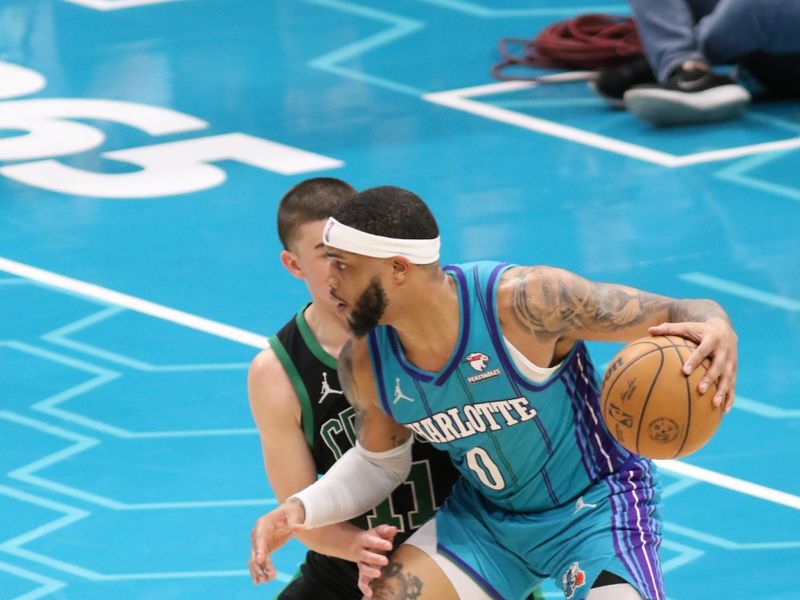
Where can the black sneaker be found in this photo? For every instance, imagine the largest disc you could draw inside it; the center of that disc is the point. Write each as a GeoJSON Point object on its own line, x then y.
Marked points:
{"type": "Point", "coordinates": [691, 95]}
{"type": "Point", "coordinates": [612, 83]}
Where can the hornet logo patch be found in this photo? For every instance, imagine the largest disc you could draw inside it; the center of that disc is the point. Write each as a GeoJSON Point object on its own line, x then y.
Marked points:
{"type": "Point", "coordinates": [572, 580]}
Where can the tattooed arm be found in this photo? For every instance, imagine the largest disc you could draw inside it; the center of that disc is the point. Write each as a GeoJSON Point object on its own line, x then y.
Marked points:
{"type": "Point", "coordinates": [552, 303]}
{"type": "Point", "coordinates": [552, 308]}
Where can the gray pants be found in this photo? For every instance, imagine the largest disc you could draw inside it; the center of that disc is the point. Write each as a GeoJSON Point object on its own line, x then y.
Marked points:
{"type": "Point", "coordinates": [749, 32]}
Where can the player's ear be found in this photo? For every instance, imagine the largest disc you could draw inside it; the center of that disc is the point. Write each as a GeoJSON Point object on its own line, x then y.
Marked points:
{"type": "Point", "coordinates": [289, 260]}
{"type": "Point", "coordinates": [401, 267]}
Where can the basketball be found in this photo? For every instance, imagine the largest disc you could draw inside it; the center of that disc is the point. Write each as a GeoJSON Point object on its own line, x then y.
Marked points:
{"type": "Point", "coordinates": [650, 406]}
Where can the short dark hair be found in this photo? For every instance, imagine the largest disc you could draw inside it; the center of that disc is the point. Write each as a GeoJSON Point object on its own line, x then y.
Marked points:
{"type": "Point", "coordinates": [390, 212]}
{"type": "Point", "coordinates": [310, 200]}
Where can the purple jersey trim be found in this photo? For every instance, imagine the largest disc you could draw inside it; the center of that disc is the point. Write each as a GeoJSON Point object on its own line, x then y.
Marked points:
{"type": "Point", "coordinates": [593, 438]}
{"type": "Point", "coordinates": [463, 334]}
{"type": "Point", "coordinates": [378, 368]}
{"type": "Point", "coordinates": [583, 437]}
{"type": "Point", "coordinates": [412, 371]}
{"type": "Point", "coordinates": [471, 572]}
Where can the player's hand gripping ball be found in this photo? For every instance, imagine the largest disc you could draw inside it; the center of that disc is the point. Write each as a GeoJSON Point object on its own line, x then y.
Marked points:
{"type": "Point", "coordinates": [650, 406]}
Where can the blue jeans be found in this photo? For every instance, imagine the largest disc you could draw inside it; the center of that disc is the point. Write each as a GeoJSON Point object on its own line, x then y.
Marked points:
{"type": "Point", "coordinates": [719, 31]}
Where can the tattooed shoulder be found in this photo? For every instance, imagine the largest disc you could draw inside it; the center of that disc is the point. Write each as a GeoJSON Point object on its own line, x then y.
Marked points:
{"type": "Point", "coordinates": [541, 302]}
{"type": "Point", "coordinates": [549, 302]}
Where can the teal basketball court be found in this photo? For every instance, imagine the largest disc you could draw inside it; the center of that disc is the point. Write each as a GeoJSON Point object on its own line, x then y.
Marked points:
{"type": "Point", "coordinates": [145, 145]}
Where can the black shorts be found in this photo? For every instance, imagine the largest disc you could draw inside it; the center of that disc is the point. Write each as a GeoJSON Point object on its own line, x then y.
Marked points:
{"type": "Point", "coordinates": [323, 577]}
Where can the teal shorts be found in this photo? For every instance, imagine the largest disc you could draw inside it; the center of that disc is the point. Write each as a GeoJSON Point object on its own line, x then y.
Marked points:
{"type": "Point", "coordinates": [613, 526]}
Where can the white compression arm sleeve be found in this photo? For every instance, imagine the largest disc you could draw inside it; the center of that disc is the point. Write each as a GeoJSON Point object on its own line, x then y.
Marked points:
{"type": "Point", "coordinates": [355, 484]}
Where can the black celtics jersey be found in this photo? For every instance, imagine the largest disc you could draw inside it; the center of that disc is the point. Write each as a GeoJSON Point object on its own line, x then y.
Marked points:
{"type": "Point", "coordinates": [328, 422]}
{"type": "Point", "coordinates": [329, 425]}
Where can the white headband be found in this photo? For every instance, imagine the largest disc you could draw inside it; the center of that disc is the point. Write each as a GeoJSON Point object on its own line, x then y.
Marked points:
{"type": "Point", "coordinates": [343, 237]}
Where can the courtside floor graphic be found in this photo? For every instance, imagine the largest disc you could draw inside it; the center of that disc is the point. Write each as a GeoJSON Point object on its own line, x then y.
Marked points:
{"type": "Point", "coordinates": [144, 147]}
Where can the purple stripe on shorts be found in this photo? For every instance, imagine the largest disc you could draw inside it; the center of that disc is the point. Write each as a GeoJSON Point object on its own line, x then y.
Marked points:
{"type": "Point", "coordinates": [472, 572]}
{"type": "Point", "coordinates": [653, 526]}
{"type": "Point", "coordinates": [621, 548]}
{"type": "Point", "coordinates": [633, 528]}
{"type": "Point", "coordinates": [640, 536]}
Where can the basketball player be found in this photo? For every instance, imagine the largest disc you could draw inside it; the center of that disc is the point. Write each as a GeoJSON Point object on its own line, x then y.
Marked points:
{"type": "Point", "coordinates": [306, 423]}
{"type": "Point", "coordinates": [487, 361]}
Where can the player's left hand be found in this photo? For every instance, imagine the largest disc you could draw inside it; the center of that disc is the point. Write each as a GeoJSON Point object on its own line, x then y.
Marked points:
{"type": "Point", "coordinates": [716, 339]}
{"type": "Point", "coordinates": [373, 543]}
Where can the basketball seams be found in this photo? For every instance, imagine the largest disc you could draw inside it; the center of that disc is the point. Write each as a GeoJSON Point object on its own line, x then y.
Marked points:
{"type": "Point", "coordinates": [719, 420]}
{"type": "Point", "coordinates": [626, 367]}
{"type": "Point", "coordinates": [687, 421]}
{"type": "Point", "coordinates": [689, 400]}
{"type": "Point", "coordinates": [605, 397]}
{"type": "Point", "coordinates": [647, 398]}
{"type": "Point", "coordinates": [640, 356]}
{"type": "Point", "coordinates": [661, 346]}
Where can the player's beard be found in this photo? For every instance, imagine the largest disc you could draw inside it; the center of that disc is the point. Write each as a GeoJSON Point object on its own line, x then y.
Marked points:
{"type": "Point", "coordinates": [369, 309]}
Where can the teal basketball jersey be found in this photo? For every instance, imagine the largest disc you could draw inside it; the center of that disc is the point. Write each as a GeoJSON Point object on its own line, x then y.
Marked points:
{"type": "Point", "coordinates": [545, 491]}
{"type": "Point", "coordinates": [526, 446]}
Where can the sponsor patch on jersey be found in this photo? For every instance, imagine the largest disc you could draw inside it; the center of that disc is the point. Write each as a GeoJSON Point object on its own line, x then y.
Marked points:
{"type": "Point", "coordinates": [572, 580]}
{"type": "Point", "coordinates": [479, 361]}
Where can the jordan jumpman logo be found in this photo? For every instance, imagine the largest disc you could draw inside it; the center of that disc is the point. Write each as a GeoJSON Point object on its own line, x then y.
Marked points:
{"type": "Point", "coordinates": [326, 388]}
{"type": "Point", "coordinates": [398, 393]}
{"type": "Point", "coordinates": [580, 504]}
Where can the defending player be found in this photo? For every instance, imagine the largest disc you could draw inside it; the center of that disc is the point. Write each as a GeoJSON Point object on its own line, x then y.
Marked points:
{"type": "Point", "coordinates": [489, 364]}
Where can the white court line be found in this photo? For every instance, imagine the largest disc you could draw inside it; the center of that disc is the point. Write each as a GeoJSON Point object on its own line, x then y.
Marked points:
{"type": "Point", "coordinates": [106, 5]}
{"type": "Point", "coordinates": [457, 100]}
{"type": "Point", "coordinates": [252, 339]}
{"type": "Point", "coordinates": [742, 291]}
{"type": "Point", "coordinates": [462, 99]}
{"type": "Point", "coordinates": [737, 152]}
{"type": "Point", "coordinates": [731, 483]}
{"type": "Point", "coordinates": [136, 304]}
